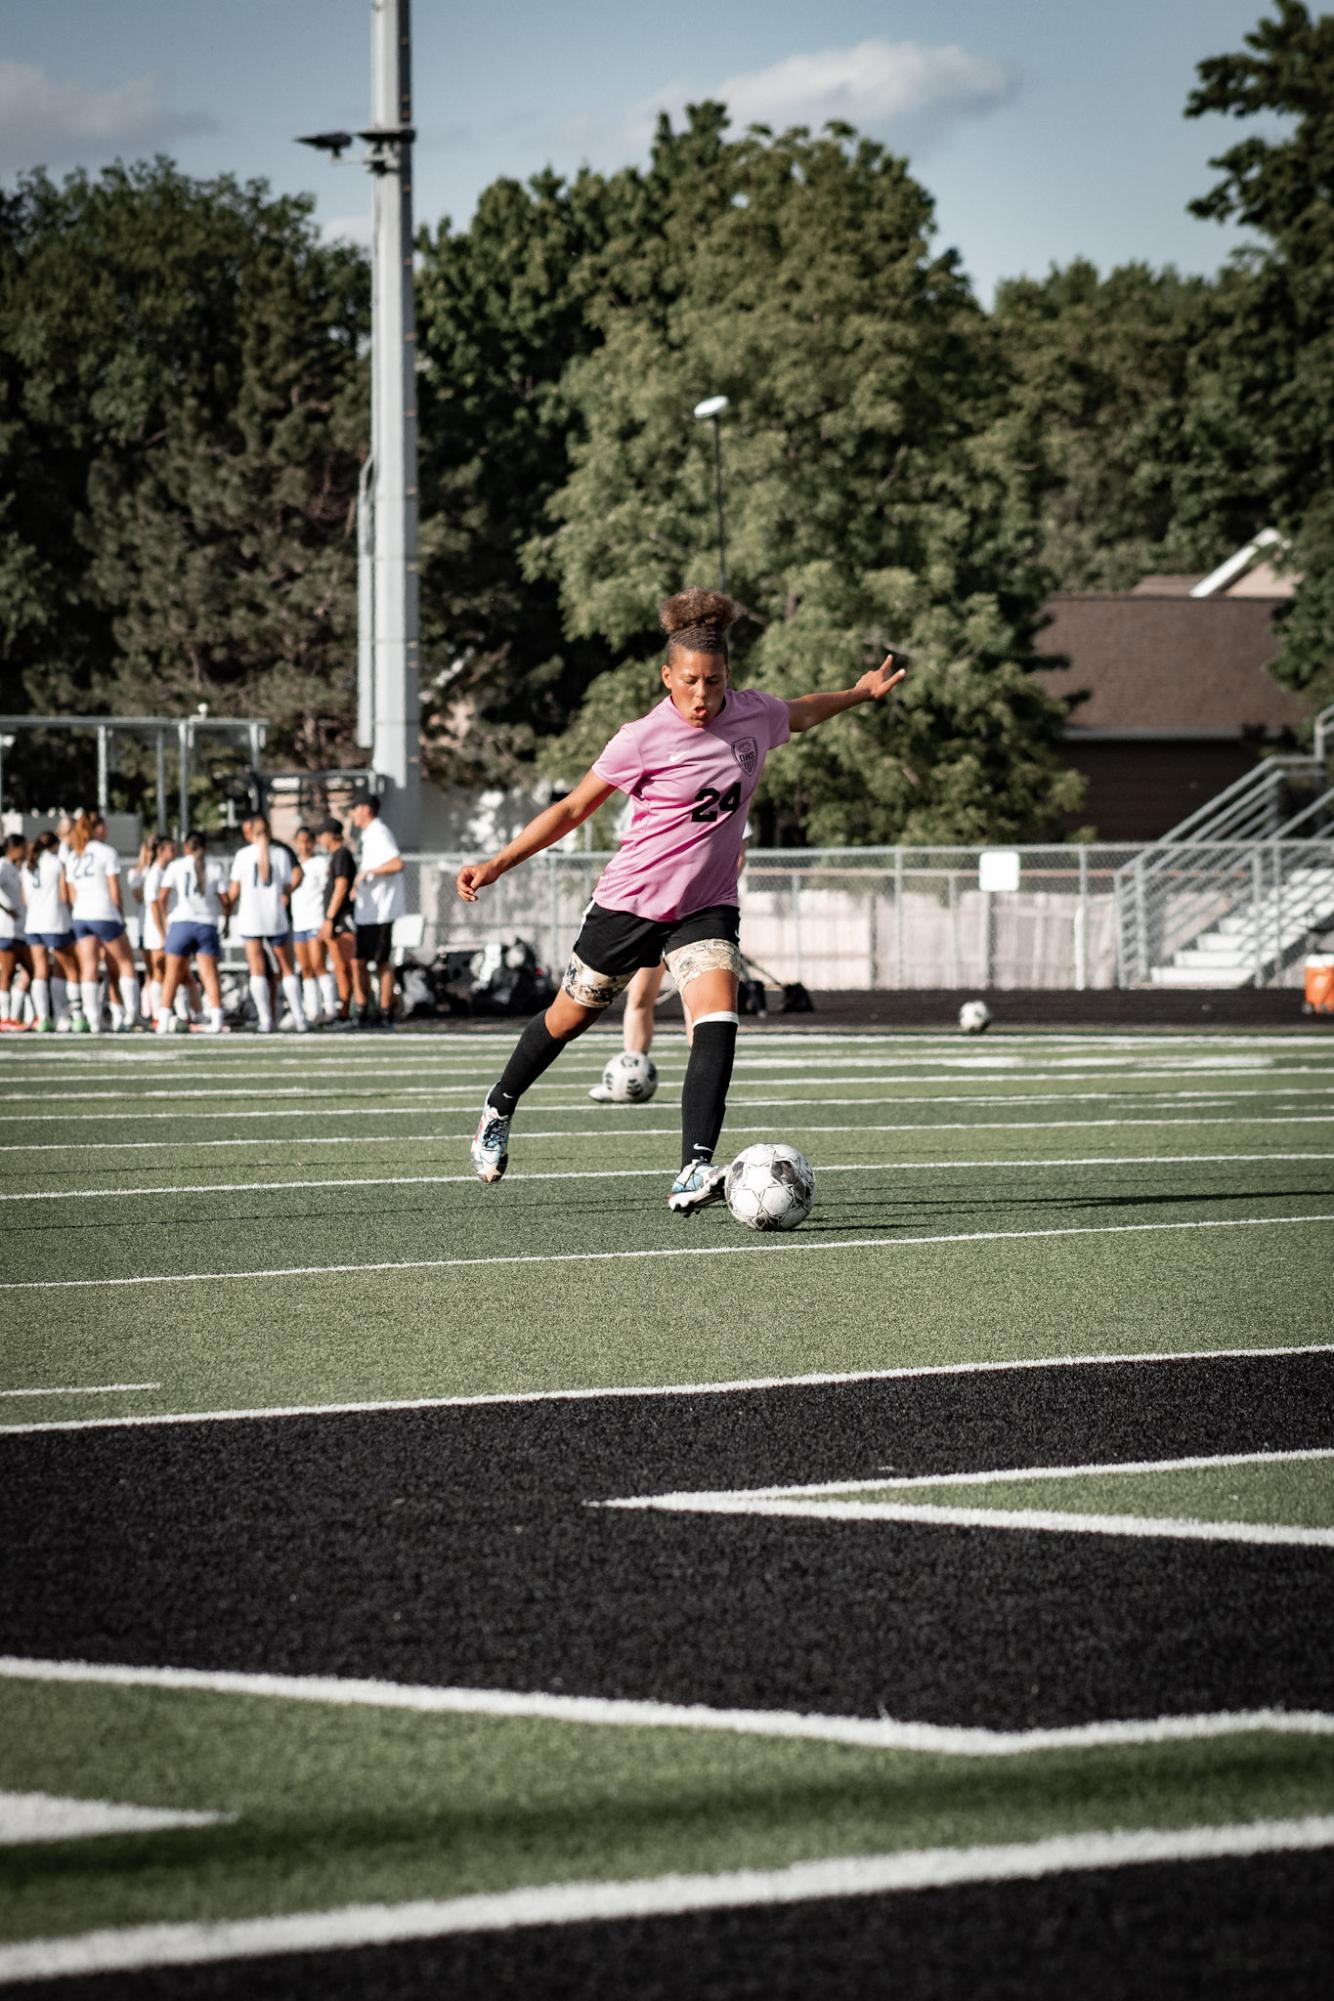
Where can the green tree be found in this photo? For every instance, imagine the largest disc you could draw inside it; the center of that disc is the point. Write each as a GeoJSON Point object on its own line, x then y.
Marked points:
{"type": "Point", "coordinates": [879, 489]}
{"type": "Point", "coordinates": [184, 410]}
{"type": "Point", "coordinates": [1102, 368]}
{"type": "Point", "coordinates": [1260, 437]}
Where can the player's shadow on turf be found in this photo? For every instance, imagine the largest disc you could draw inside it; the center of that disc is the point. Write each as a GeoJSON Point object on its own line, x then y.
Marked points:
{"type": "Point", "coordinates": [867, 1215]}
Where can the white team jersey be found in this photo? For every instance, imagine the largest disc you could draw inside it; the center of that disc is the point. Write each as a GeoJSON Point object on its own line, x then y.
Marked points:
{"type": "Point", "coordinates": [89, 876]}
{"type": "Point", "coordinates": [262, 911]}
{"type": "Point", "coordinates": [193, 891]}
{"type": "Point", "coordinates": [48, 912]}
{"type": "Point", "coordinates": [308, 899]}
{"type": "Point", "coordinates": [11, 895]}
{"type": "Point", "coordinates": [150, 889]}
{"type": "Point", "coordinates": [381, 901]}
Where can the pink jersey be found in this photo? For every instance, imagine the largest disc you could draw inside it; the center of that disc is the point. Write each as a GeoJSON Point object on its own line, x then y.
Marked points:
{"type": "Point", "coordinates": [691, 788]}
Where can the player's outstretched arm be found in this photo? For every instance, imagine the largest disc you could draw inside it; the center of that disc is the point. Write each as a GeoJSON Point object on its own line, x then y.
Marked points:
{"type": "Point", "coordinates": [549, 827]}
{"type": "Point", "coordinates": [807, 711]}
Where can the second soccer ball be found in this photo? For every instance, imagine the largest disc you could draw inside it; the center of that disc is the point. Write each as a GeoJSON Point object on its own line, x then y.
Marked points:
{"type": "Point", "coordinates": [630, 1078]}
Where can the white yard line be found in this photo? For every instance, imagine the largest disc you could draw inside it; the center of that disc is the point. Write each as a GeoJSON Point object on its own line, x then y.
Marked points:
{"type": "Point", "coordinates": [878, 1733]}
{"type": "Point", "coordinates": [28, 1817]}
{"type": "Point", "coordinates": [1147, 1528]}
{"type": "Point", "coordinates": [85, 1390]}
{"type": "Point", "coordinates": [137, 1948]}
{"type": "Point", "coordinates": [787, 1247]}
{"type": "Point", "coordinates": [732, 1386]}
{"type": "Point", "coordinates": [305, 1111]}
{"type": "Point", "coordinates": [994, 1476]}
{"type": "Point", "coordinates": [943, 1166]}
{"type": "Point", "coordinates": [600, 1137]}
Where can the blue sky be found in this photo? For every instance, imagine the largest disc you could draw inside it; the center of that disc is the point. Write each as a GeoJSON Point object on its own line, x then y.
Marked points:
{"type": "Point", "coordinates": [1045, 129]}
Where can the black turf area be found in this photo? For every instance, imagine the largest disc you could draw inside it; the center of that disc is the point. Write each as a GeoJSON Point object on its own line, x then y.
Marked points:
{"type": "Point", "coordinates": [459, 1546]}
{"type": "Point", "coordinates": [1254, 1930]}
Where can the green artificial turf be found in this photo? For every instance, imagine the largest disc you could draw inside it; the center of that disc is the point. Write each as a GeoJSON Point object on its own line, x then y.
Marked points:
{"type": "Point", "coordinates": [337, 1805]}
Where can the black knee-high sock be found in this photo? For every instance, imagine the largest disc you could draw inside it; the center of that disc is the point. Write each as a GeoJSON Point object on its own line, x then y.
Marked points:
{"type": "Point", "coordinates": [535, 1051]}
{"type": "Point", "coordinates": [704, 1093]}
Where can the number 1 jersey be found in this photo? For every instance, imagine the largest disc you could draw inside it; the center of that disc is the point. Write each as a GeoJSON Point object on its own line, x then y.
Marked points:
{"type": "Point", "coordinates": [690, 790]}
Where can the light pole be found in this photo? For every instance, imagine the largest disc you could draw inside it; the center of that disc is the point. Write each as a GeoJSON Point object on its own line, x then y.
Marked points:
{"type": "Point", "coordinates": [710, 411]}
{"type": "Point", "coordinates": [388, 672]}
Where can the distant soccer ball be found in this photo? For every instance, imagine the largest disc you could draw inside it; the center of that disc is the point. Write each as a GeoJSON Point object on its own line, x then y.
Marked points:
{"type": "Point", "coordinates": [630, 1078]}
{"type": "Point", "coordinates": [770, 1188]}
{"type": "Point", "coordinates": [974, 1017]}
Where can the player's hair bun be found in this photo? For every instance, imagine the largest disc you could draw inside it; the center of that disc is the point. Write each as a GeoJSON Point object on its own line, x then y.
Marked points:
{"type": "Point", "coordinates": [698, 611]}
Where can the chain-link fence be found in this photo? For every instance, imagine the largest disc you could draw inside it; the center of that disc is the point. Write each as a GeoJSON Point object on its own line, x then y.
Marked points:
{"type": "Point", "coordinates": [835, 917]}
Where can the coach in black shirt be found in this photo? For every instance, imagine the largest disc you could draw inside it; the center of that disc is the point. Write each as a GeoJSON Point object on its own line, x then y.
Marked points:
{"type": "Point", "coordinates": [338, 929]}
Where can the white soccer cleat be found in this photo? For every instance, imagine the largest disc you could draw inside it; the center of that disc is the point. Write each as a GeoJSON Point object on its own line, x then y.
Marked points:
{"type": "Point", "coordinates": [696, 1187]}
{"type": "Point", "coordinates": [490, 1149]}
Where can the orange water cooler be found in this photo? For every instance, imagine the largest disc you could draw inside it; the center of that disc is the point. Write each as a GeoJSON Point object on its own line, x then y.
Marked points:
{"type": "Point", "coordinates": [1319, 992]}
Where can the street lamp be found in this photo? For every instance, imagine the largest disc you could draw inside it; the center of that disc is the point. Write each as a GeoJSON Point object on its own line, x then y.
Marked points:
{"type": "Point", "coordinates": [710, 412]}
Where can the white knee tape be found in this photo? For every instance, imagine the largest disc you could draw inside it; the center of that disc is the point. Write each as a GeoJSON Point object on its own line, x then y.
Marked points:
{"type": "Point", "coordinates": [591, 988]}
{"type": "Point", "coordinates": [706, 955]}
{"type": "Point", "coordinates": [723, 1014]}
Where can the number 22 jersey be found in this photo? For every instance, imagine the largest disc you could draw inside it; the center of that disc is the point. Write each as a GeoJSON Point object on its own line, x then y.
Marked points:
{"type": "Point", "coordinates": [690, 790]}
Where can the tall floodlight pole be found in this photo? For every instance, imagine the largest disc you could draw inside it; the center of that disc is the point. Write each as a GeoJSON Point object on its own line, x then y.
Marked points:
{"type": "Point", "coordinates": [711, 411]}
{"type": "Point", "coordinates": [396, 745]}
{"type": "Point", "coordinates": [388, 669]}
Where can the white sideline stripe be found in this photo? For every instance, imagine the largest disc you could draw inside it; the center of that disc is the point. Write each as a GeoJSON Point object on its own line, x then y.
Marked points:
{"type": "Point", "coordinates": [738, 1386]}
{"type": "Point", "coordinates": [85, 1390]}
{"type": "Point", "coordinates": [649, 1173]}
{"type": "Point", "coordinates": [135, 1948]}
{"type": "Point", "coordinates": [1148, 1528]}
{"type": "Point", "coordinates": [295, 1112]}
{"type": "Point", "coordinates": [28, 1817]}
{"type": "Point", "coordinates": [789, 1248]}
{"type": "Point", "coordinates": [661, 1132]}
{"type": "Point", "coordinates": [871, 1733]}
{"type": "Point", "coordinates": [865, 1070]}
{"type": "Point", "coordinates": [999, 1476]}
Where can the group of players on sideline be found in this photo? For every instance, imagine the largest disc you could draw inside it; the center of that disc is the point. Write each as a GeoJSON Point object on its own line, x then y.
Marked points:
{"type": "Point", "coordinates": [314, 922]}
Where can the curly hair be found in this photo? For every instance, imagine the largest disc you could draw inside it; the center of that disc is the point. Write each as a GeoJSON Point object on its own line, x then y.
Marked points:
{"type": "Point", "coordinates": [697, 622]}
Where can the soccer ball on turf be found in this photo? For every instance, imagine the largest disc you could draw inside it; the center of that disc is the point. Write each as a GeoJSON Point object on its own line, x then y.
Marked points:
{"type": "Point", "coordinates": [974, 1017]}
{"type": "Point", "coordinates": [630, 1078]}
{"type": "Point", "coordinates": [770, 1188]}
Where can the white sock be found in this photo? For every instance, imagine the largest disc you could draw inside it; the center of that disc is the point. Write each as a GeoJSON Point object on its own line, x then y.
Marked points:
{"type": "Point", "coordinates": [292, 992]}
{"type": "Point", "coordinates": [259, 994]}
{"type": "Point", "coordinates": [41, 999]}
{"type": "Point", "coordinates": [310, 997]}
{"type": "Point", "coordinates": [328, 986]}
{"type": "Point", "coordinates": [91, 994]}
{"type": "Point", "coordinates": [129, 998]}
{"type": "Point", "coordinates": [155, 998]}
{"type": "Point", "coordinates": [60, 997]}
{"type": "Point", "coordinates": [214, 1017]}
{"type": "Point", "coordinates": [182, 1004]}
{"type": "Point", "coordinates": [6, 1002]}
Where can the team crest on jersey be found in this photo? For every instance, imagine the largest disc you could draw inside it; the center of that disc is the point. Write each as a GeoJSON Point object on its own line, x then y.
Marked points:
{"type": "Point", "coordinates": [746, 752]}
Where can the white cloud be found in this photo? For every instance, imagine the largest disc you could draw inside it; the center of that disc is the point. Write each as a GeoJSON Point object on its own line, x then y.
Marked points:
{"type": "Point", "coordinates": [45, 122]}
{"type": "Point", "coordinates": [899, 91]}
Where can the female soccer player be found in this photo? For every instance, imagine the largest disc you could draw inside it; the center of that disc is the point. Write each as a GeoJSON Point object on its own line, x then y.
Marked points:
{"type": "Point", "coordinates": [691, 766]}
{"type": "Point", "coordinates": [262, 874]}
{"type": "Point", "coordinates": [92, 869]}
{"type": "Point", "coordinates": [55, 984]}
{"type": "Point", "coordinates": [14, 952]}
{"type": "Point", "coordinates": [146, 883]}
{"type": "Point", "coordinates": [188, 911]}
{"type": "Point", "coordinates": [307, 918]}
